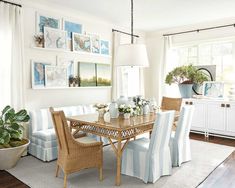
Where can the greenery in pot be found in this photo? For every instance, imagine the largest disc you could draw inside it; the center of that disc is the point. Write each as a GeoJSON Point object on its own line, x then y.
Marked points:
{"type": "Point", "coordinates": [11, 128]}
{"type": "Point", "coordinates": [186, 74]}
{"type": "Point", "coordinates": [126, 109]}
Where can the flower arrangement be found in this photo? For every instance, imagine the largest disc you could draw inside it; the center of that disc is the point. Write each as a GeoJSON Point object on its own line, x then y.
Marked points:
{"type": "Point", "coordinates": [140, 102]}
{"type": "Point", "coordinates": [126, 109]}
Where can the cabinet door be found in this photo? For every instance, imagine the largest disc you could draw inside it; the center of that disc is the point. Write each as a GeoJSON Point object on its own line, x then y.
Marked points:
{"type": "Point", "coordinates": [198, 121]}
{"type": "Point", "coordinates": [231, 118]}
{"type": "Point", "coordinates": [216, 117]}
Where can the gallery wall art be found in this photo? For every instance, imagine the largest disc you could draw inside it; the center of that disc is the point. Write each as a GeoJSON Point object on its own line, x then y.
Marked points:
{"type": "Point", "coordinates": [55, 38]}
{"type": "Point", "coordinates": [103, 75]}
{"type": "Point", "coordinates": [95, 43]}
{"type": "Point", "coordinates": [38, 73]}
{"type": "Point", "coordinates": [81, 43]}
{"type": "Point", "coordinates": [43, 20]}
{"type": "Point", "coordinates": [104, 45]}
{"type": "Point", "coordinates": [87, 74]}
{"type": "Point", "coordinates": [71, 27]}
{"type": "Point", "coordinates": [56, 76]}
{"type": "Point", "coordinates": [69, 64]}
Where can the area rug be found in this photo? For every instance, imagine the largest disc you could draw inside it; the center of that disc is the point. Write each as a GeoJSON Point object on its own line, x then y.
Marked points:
{"type": "Point", "coordinates": [205, 158]}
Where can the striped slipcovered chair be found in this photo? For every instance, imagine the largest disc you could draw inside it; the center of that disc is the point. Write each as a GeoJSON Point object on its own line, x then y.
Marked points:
{"type": "Point", "coordinates": [42, 134]}
{"type": "Point", "coordinates": [180, 143]}
{"type": "Point", "coordinates": [149, 159]}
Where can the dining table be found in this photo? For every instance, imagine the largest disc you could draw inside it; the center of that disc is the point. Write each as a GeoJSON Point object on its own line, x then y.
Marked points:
{"type": "Point", "coordinates": [118, 131]}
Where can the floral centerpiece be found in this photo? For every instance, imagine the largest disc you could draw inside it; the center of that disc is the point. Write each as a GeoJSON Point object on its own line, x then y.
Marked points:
{"type": "Point", "coordinates": [101, 108]}
{"type": "Point", "coordinates": [126, 110]}
{"type": "Point", "coordinates": [141, 105]}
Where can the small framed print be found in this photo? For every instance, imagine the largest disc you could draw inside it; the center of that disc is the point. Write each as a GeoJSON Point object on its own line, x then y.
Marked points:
{"type": "Point", "coordinates": [38, 73]}
{"type": "Point", "coordinates": [69, 64]}
{"type": "Point", "coordinates": [213, 89]}
{"type": "Point", "coordinates": [71, 27]}
{"type": "Point", "coordinates": [95, 43]}
{"type": "Point", "coordinates": [81, 43]}
{"type": "Point", "coordinates": [55, 38]}
{"type": "Point", "coordinates": [43, 20]}
{"type": "Point", "coordinates": [104, 47]}
{"type": "Point", "coordinates": [56, 76]}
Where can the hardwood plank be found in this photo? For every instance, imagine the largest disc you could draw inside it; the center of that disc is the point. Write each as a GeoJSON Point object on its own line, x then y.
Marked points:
{"type": "Point", "coordinates": [9, 181]}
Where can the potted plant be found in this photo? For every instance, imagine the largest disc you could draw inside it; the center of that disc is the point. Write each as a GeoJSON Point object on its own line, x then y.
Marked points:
{"type": "Point", "coordinates": [77, 81]}
{"type": "Point", "coordinates": [185, 76]}
{"type": "Point", "coordinates": [71, 81]}
{"type": "Point", "coordinates": [125, 110]}
{"type": "Point", "coordinates": [12, 143]}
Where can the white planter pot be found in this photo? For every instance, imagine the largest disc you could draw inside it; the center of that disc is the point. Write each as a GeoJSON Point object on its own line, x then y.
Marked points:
{"type": "Point", "coordinates": [10, 156]}
{"type": "Point", "coordinates": [127, 115]}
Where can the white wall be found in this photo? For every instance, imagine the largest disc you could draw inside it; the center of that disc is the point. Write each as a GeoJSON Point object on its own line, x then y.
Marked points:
{"type": "Point", "coordinates": [38, 98]}
{"type": "Point", "coordinates": [155, 44]}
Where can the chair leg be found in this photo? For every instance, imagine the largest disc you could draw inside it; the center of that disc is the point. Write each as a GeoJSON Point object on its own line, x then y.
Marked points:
{"type": "Point", "coordinates": [65, 180]}
{"type": "Point", "coordinates": [57, 171]}
{"type": "Point", "coordinates": [101, 173]}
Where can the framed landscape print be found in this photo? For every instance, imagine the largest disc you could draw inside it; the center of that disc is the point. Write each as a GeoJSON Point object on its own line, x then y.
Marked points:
{"type": "Point", "coordinates": [103, 75]}
{"type": "Point", "coordinates": [46, 21]}
{"type": "Point", "coordinates": [81, 43]}
{"type": "Point", "coordinates": [55, 38]}
{"type": "Point", "coordinates": [213, 89]}
{"type": "Point", "coordinates": [71, 27]}
{"type": "Point", "coordinates": [104, 47]}
{"type": "Point", "coordinates": [56, 76]}
{"type": "Point", "coordinates": [95, 43]}
{"type": "Point", "coordinates": [87, 73]}
{"type": "Point", "coordinates": [38, 73]}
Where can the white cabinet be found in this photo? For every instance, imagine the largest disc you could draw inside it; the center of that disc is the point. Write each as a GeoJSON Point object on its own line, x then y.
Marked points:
{"type": "Point", "coordinates": [213, 116]}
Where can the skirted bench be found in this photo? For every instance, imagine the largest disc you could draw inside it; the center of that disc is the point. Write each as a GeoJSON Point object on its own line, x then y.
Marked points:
{"type": "Point", "coordinates": [42, 134]}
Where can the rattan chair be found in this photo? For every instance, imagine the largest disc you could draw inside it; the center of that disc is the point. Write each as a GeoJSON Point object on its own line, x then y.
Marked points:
{"type": "Point", "coordinates": [171, 104]}
{"type": "Point", "coordinates": [75, 154]}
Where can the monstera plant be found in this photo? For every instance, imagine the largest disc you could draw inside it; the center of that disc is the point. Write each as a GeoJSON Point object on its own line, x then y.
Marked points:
{"type": "Point", "coordinates": [12, 144]}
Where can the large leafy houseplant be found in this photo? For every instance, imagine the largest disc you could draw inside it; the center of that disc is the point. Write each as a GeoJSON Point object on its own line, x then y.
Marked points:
{"type": "Point", "coordinates": [187, 74]}
{"type": "Point", "coordinates": [11, 128]}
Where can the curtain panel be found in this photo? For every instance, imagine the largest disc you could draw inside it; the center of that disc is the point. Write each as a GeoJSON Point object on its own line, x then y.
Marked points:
{"type": "Point", "coordinates": [11, 58]}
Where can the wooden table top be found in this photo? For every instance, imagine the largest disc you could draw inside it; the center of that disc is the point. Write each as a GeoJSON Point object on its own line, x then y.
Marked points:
{"type": "Point", "coordinates": [116, 123]}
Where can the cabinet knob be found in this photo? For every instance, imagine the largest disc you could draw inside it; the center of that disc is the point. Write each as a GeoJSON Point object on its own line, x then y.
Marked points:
{"type": "Point", "coordinates": [186, 102]}
{"type": "Point", "coordinates": [222, 105]}
{"type": "Point", "coordinates": [228, 105]}
{"type": "Point", "coordinates": [191, 103]}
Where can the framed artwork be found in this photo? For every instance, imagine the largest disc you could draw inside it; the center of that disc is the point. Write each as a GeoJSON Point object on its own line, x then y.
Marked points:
{"type": "Point", "coordinates": [81, 43]}
{"type": "Point", "coordinates": [104, 47]}
{"type": "Point", "coordinates": [46, 21]}
{"type": "Point", "coordinates": [87, 74]}
{"type": "Point", "coordinates": [103, 75]}
{"type": "Point", "coordinates": [55, 38]}
{"type": "Point", "coordinates": [71, 27]}
{"type": "Point", "coordinates": [56, 76]}
{"type": "Point", "coordinates": [213, 89]}
{"type": "Point", "coordinates": [38, 73]}
{"type": "Point", "coordinates": [95, 43]}
{"type": "Point", "coordinates": [69, 64]}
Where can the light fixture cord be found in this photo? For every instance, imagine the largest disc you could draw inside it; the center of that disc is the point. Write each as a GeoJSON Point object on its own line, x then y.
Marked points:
{"type": "Point", "coordinates": [132, 34]}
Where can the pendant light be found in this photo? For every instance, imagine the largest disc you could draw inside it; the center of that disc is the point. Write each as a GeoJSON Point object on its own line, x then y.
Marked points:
{"type": "Point", "coordinates": [132, 54]}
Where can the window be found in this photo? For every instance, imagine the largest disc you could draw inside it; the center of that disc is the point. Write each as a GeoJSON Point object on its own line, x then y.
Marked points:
{"type": "Point", "coordinates": [221, 54]}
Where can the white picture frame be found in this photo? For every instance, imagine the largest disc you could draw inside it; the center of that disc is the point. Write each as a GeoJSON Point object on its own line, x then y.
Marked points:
{"type": "Point", "coordinates": [52, 22]}
{"type": "Point", "coordinates": [38, 73]}
{"type": "Point", "coordinates": [69, 63]}
{"type": "Point", "coordinates": [55, 38]}
{"type": "Point", "coordinates": [95, 43]}
{"type": "Point", "coordinates": [212, 89]}
{"type": "Point", "coordinates": [81, 43]}
{"type": "Point", "coordinates": [56, 76]}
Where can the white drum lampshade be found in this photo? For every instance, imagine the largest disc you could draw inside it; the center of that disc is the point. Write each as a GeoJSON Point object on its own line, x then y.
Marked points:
{"type": "Point", "coordinates": [132, 55]}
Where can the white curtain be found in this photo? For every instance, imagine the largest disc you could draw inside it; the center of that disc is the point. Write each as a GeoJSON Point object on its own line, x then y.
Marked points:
{"type": "Point", "coordinates": [126, 81]}
{"type": "Point", "coordinates": [11, 56]}
{"type": "Point", "coordinates": [164, 66]}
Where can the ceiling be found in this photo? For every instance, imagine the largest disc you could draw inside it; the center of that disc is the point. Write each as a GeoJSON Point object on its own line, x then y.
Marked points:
{"type": "Point", "coordinates": [154, 14]}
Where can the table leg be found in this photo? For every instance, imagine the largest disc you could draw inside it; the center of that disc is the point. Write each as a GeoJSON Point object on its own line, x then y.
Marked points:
{"type": "Point", "coordinates": [119, 155]}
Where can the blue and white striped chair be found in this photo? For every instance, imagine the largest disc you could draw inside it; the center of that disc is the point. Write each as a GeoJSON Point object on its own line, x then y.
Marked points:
{"type": "Point", "coordinates": [149, 159]}
{"type": "Point", "coordinates": [180, 143]}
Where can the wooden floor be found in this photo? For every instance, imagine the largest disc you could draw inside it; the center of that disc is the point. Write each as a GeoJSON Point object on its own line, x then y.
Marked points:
{"type": "Point", "coordinates": [222, 177]}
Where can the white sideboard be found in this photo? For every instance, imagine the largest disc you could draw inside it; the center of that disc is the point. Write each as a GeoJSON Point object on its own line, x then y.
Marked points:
{"type": "Point", "coordinates": [213, 117]}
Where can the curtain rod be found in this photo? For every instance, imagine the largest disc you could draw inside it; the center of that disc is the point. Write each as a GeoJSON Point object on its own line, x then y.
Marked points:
{"type": "Point", "coordinates": [11, 3]}
{"type": "Point", "coordinates": [197, 30]}
{"type": "Point", "coordinates": [114, 30]}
